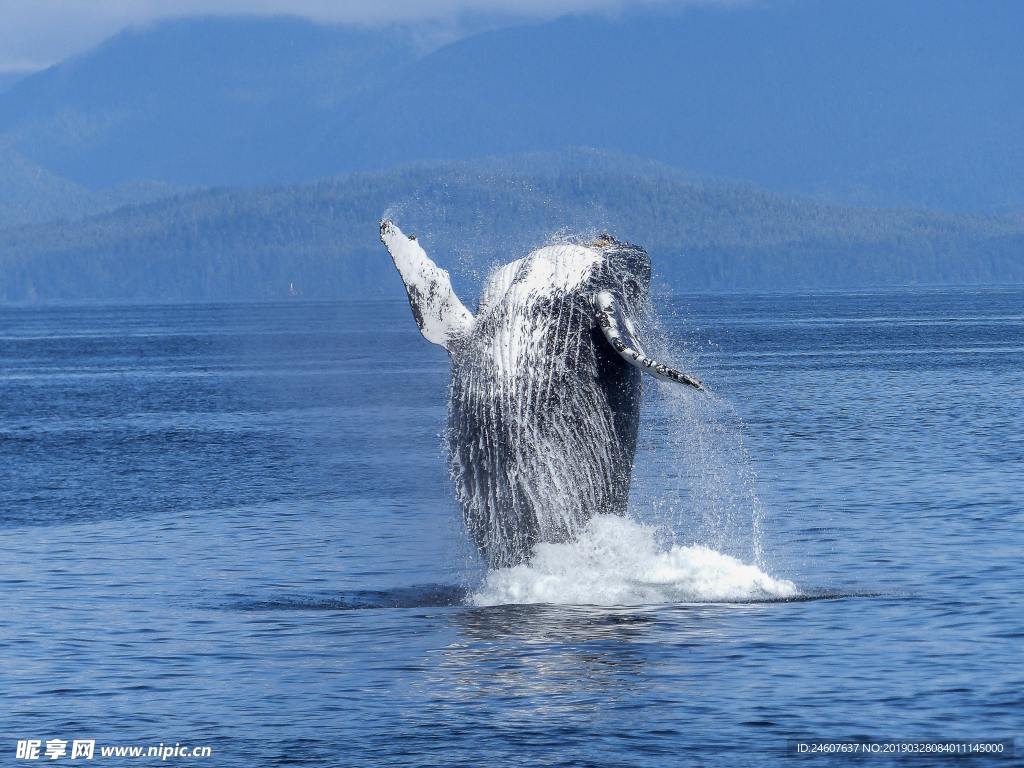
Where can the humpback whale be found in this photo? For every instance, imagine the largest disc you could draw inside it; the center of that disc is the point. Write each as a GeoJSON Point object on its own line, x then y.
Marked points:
{"type": "Point", "coordinates": [544, 399]}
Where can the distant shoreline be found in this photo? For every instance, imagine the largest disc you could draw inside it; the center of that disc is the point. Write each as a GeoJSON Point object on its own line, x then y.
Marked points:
{"type": "Point", "coordinates": [402, 301]}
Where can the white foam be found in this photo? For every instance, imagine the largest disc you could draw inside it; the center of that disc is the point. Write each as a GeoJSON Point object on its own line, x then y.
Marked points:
{"type": "Point", "coordinates": [617, 561]}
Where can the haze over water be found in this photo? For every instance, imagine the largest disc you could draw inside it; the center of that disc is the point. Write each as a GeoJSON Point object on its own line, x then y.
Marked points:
{"type": "Point", "coordinates": [231, 525]}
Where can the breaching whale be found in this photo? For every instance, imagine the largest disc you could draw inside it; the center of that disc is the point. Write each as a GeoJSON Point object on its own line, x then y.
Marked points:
{"type": "Point", "coordinates": [544, 400]}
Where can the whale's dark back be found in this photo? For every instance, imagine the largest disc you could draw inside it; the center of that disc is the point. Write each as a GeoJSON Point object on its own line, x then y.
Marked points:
{"type": "Point", "coordinates": [543, 419]}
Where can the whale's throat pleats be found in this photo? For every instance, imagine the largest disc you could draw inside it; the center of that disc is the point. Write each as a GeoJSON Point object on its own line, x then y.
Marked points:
{"type": "Point", "coordinates": [542, 419]}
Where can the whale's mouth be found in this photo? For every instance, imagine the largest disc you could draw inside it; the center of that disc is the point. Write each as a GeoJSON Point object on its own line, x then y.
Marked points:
{"type": "Point", "coordinates": [617, 561]}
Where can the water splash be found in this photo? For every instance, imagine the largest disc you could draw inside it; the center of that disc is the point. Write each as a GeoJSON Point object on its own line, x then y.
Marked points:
{"type": "Point", "coordinates": [618, 561]}
{"type": "Point", "coordinates": [706, 489]}
{"type": "Point", "coordinates": [695, 478]}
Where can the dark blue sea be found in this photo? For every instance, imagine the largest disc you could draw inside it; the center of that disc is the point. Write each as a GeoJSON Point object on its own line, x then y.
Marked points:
{"type": "Point", "coordinates": [231, 526]}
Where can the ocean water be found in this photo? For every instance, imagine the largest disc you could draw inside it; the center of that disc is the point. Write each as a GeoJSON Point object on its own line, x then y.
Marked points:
{"type": "Point", "coordinates": [231, 526]}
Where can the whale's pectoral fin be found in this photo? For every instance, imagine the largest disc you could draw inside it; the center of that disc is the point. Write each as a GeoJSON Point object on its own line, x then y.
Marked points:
{"type": "Point", "coordinates": [620, 334]}
{"type": "Point", "coordinates": [440, 315]}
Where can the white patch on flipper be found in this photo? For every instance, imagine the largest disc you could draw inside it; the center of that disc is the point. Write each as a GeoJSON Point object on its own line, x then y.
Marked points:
{"type": "Point", "coordinates": [621, 335]}
{"type": "Point", "coordinates": [439, 312]}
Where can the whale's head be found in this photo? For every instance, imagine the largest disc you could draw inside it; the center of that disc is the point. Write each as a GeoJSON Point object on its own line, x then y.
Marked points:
{"type": "Point", "coordinates": [620, 285]}
{"type": "Point", "coordinates": [623, 269]}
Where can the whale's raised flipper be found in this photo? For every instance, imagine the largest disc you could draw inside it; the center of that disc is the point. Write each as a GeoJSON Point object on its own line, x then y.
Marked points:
{"type": "Point", "coordinates": [620, 335]}
{"type": "Point", "coordinates": [442, 318]}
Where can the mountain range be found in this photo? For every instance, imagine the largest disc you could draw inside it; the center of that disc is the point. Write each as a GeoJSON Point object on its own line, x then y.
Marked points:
{"type": "Point", "coordinates": [910, 103]}
{"type": "Point", "coordinates": [320, 239]}
{"type": "Point", "coordinates": [765, 145]}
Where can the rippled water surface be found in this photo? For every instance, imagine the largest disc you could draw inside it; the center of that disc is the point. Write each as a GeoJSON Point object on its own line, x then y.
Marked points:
{"type": "Point", "coordinates": [232, 526]}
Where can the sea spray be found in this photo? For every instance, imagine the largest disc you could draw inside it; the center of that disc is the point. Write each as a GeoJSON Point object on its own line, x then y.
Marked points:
{"type": "Point", "coordinates": [618, 561]}
{"type": "Point", "coordinates": [707, 484]}
{"type": "Point", "coordinates": [695, 479]}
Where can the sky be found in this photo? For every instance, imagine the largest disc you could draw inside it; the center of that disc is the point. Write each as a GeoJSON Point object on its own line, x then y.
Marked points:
{"type": "Point", "coordinates": [37, 33]}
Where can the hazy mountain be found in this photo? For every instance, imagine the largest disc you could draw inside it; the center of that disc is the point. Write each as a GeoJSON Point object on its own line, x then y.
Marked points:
{"type": "Point", "coordinates": [322, 238]}
{"type": "Point", "coordinates": [196, 101]}
{"type": "Point", "coordinates": [30, 194]}
{"type": "Point", "coordinates": [874, 102]}
{"type": "Point", "coordinates": [9, 77]}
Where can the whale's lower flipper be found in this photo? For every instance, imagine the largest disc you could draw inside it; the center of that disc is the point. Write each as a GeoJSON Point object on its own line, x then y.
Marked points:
{"type": "Point", "coordinates": [620, 335]}
{"type": "Point", "coordinates": [440, 315]}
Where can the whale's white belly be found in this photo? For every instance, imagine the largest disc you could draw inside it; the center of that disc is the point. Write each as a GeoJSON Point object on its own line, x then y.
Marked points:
{"type": "Point", "coordinates": [525, 309]}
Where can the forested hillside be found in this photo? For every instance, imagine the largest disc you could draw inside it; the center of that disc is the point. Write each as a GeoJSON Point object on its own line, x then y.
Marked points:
{"type": "Point", "coordinates": [321, 239]}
